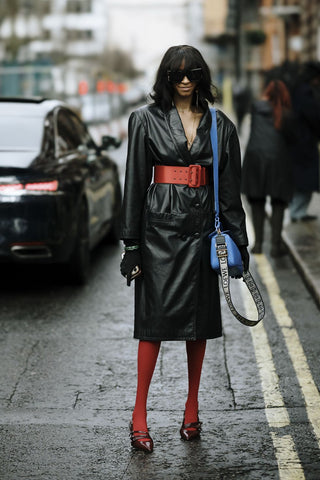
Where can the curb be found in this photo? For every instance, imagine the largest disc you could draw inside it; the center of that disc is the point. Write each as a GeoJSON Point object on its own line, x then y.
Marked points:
{"type": "Point", "coordinates": [303, 269]}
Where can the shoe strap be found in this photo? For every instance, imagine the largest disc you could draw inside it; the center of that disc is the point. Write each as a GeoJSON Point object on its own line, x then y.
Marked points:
{"type": "Point", "coordinates": [196, 425]}
{"type": "Point", "coordinates": [141, 438]}
{"type": "Point", "coordinates": [141, 435]}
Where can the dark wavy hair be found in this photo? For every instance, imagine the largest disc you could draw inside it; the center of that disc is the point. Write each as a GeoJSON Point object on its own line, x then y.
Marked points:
{"type": "Point", "coordinates": [163, 91]}
{"type": "Point", "coordinates": [279, 97]}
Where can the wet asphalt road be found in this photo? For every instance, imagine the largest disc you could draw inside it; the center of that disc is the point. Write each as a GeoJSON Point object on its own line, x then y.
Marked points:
{"type": "Point", "coordinates": [67, 376]}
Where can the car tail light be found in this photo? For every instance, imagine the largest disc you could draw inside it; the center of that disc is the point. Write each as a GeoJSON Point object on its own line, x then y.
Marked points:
{"type": "Point", "coordinates": [43, 186]}
{"type": "Point", "coordinates": [20, 188]}
{"type": "Point", "coordinates": [10, 187]}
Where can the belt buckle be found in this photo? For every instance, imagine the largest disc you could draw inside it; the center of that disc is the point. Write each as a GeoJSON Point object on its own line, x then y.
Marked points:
{"type": "Point", "coordinates": [194, 176]}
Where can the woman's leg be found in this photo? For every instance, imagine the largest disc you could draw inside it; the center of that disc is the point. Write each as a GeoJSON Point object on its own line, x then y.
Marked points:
{"type": "Point", "coordinates": [147, 359]}
{"type": "Point", "coordinates": [277, 247]}
{"type": "Point", "coordinates": [258, 214]}
{"type": "Point", "coordinates": [195, 354]}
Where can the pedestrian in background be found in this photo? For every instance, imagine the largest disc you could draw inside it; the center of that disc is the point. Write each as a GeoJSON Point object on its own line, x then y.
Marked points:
{"type": "Point", "coordinates": [241, 96]}
{"type": "Point", "coordinates": [267, 165]}
{"type": "Point", "coordinates": [305, 144]}
{"type": "Point", "coordinates": [165, 224]}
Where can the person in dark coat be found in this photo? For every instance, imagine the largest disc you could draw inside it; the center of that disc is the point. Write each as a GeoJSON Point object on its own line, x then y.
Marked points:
{"type": "Point", "coordinates": [267, 165]}
{"type": "Point", "coordinates": [305, 144]}
{"type": "Point", "coordinates": [241, 96]}
{"type": "Point", "coordinates": [166, 223]}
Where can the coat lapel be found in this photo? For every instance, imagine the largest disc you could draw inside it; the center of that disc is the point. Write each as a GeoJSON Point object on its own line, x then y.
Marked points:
{"type": "Point", "coordinates": [178, 136]}
{"type": "Point", "coordinates": [179, 139]}
{"type": "Point", "coordinates": [201, 140]}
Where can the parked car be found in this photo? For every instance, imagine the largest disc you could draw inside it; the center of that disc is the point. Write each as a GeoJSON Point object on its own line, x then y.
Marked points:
{"type": "Point", "coordinates": [60, 193]}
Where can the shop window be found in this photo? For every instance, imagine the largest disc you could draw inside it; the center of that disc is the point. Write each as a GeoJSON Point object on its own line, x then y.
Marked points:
{"type": "Point", "coordinates": [79, 6]}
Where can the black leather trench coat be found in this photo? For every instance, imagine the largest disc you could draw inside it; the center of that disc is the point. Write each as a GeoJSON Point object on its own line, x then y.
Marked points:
{"type": "Point", "coordinates": [177, 296]}
{"type": "Point", "coordinates": [267, 164]}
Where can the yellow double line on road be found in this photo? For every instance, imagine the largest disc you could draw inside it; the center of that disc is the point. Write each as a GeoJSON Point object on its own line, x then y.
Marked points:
{"type": "Point", "coordinates": [277, 415]}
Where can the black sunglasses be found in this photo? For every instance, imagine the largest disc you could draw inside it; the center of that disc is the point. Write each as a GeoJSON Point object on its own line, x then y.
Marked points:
{"type": "Point", "coordinates": [176, 76]}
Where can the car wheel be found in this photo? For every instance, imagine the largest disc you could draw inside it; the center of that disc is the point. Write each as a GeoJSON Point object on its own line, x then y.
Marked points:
{"type": "Point", "coordinates": [79, 263]}
{"type": "Point", "coordinates": [113, 236]}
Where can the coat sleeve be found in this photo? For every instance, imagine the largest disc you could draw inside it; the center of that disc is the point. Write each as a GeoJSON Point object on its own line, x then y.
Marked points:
{"type": "Point", "coordinates": [137, 178]}
{"type": "Point", "coordinates": [232, 215]}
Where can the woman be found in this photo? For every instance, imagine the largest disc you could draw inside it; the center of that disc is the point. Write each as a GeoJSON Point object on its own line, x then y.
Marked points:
{"type": "Point", "coordinates": [165, 224]}
{"type": "Point", "coordinates": [267, 168]}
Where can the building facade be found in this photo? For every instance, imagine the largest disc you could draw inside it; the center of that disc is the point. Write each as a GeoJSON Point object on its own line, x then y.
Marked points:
{"type": "Point", "coordinates": [47, 45]}
{"type": "Point", "coordinates": [79, 36]}
{"type": "Point", "coordinates": [251, 37]}
{"type": "Point", "coordinates": [42, 27]}
{"type": "Point", "coordinates": [310, 30]}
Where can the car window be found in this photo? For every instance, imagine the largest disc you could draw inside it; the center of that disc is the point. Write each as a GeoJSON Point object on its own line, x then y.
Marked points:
{"type": "Point", "coordinates": [82, 131]}
{"type": "Point", "coordinates": [68, 137]}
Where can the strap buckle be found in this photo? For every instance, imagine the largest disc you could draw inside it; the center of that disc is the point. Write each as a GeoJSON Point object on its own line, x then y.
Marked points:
{"type": "Point", "coordinates": [222, 251]}
{"type": "Point", "coordinates": [221, 246]}
{"type": "Point", "coordinates": [194, 176]}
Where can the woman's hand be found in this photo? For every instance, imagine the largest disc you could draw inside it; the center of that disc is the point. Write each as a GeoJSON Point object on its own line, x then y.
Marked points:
{"type": "Point", "coordinates": [233, 271]}
{"type": "Point", "coordinates": [245, 257]}
{"type": "Point", "coordinates": [130, 267]}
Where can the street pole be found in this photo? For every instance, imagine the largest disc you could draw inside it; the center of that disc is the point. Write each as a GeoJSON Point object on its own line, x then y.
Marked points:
{"type": "Point", "coordinates": [238, 39]}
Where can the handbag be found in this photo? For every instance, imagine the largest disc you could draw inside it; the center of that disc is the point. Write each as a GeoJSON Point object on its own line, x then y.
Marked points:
{"type": "Point", "coordinates": [225, 257]}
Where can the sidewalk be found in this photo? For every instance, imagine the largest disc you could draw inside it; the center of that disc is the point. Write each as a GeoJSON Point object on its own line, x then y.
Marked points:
{"type": "Point", "coordinates": [303, 242]}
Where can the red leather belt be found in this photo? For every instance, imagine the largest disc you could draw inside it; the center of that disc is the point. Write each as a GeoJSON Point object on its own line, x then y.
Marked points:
{"type": "Point", "coordinates": [193, 176]}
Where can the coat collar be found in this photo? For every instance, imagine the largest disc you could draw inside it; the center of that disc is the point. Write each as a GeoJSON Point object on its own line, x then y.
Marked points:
{"type": "Point", "coordinates": [178, 136]}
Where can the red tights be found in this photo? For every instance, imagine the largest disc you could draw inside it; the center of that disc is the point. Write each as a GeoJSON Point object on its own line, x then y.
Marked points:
{"type": "Point", "coordinates": [147, 359]}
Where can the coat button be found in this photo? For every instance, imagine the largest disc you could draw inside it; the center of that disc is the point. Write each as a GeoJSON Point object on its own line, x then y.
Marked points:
{"type": "Point", "coordinates": [197, 205]}
{"type": "Point", "coordinates": [196, 235]}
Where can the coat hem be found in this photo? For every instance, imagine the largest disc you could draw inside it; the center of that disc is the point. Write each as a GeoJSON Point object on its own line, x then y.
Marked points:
{"type": "Point", "coordinates": [175, 339]}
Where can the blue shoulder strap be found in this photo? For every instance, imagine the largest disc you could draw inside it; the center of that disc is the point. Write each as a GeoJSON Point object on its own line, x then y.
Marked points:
{"type": "Point", "coordinates": [214, 143]}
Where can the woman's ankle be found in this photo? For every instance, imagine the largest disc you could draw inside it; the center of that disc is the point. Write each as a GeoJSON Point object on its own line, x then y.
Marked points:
{"type": "Point", "coordinates": [191, 412]}
{"type": "Point", "coordinates": [139, 421]}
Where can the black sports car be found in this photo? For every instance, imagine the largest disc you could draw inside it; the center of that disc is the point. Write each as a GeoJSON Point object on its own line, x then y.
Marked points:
{"type": "Point", "coordinates": [59, 192]}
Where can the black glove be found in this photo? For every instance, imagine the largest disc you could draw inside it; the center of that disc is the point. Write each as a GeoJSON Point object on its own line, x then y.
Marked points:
{"type": "Point", "coordinates": [245, 257]}
{"type": "Point", "coordinates": [130, 267]}
{"type": "Point", "coordinates": [245, 260]}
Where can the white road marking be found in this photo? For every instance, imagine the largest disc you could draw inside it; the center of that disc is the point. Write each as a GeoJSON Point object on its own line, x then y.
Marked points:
{"type": "Point", "coordinates": [298, 358]}
{"type": "Point", "coordinates": [289, 464]}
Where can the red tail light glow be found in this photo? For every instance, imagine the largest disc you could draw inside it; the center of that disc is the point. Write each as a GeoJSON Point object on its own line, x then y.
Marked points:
{"type": "Point", "coordinates": [11, 187]}
{"type": "Point", "coordinates": [43, 186]}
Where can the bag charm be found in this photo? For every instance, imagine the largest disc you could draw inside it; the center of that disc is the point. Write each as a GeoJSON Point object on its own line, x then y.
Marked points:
{"type": "Point", "coordinates": [225, 257]}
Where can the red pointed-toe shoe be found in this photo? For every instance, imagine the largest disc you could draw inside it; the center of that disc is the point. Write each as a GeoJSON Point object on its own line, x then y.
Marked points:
{"type": "Point", "coordinates": [141, 440]}
{"type": "Point", "coordinates": [190, 431]}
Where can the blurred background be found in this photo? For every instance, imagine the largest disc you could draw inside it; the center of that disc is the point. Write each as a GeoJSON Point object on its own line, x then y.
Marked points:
{"type": "Point", "coordinates": [101, 55]}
